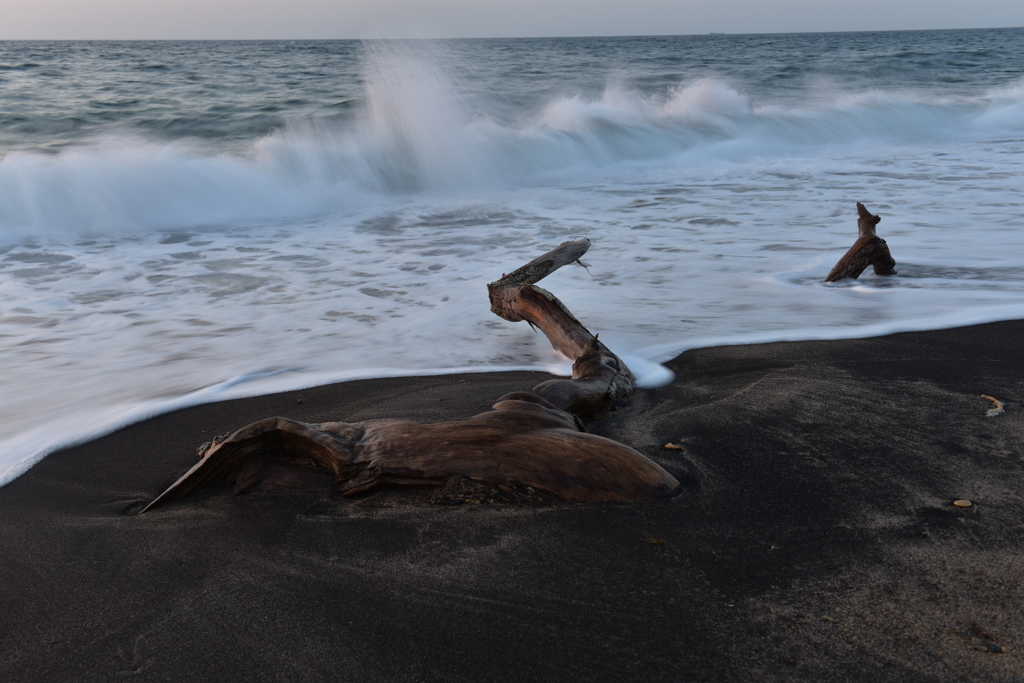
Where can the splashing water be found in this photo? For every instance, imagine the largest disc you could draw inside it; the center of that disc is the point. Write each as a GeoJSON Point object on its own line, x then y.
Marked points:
{"type": "Point", "coordinates": [296, 214]}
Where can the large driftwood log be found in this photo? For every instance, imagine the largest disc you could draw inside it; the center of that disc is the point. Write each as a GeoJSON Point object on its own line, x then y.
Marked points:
{"type": "Point", "coordinates": [529, 447]}
{"type": "Point", "coordinates": [868, 250]}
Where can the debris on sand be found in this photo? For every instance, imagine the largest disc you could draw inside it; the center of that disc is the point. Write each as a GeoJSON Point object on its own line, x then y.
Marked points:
{"type": "Point", "coordinates": [992, 412]}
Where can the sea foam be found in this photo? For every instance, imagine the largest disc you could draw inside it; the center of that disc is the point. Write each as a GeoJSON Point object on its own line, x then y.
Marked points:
{"type": "Point", "coordinates": [414, 134]}
{"type": "Point", "coordinates": [139, 275]}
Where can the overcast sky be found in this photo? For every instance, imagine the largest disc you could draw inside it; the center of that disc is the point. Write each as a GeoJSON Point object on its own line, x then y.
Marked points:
{"type": "Point", "coordinates": [240, 19]}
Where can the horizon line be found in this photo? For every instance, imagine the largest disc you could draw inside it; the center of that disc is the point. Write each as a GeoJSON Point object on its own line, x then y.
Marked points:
{"type": "Point", "coordinates": [538, 37]}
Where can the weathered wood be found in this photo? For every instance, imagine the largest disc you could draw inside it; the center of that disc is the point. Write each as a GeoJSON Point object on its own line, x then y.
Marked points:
{"type": "Point", "coordinates": [529, 447]}
{"type": "Point", "coordinates": [599, 376]}
{"type": "Point", "coordinates": [524, 446]}
{"type": "Point", "coordinates": [868, 250]}
{"type": "Point", "coordinates": [503, 291]}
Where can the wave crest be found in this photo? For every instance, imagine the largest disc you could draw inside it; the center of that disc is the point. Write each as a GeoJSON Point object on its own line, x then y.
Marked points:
{"type": "Point", "coordinates": [416, 132]}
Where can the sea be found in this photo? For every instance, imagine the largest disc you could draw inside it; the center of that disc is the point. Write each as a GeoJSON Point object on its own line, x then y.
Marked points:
{"type": "Point", "coordinates": [187, 222]}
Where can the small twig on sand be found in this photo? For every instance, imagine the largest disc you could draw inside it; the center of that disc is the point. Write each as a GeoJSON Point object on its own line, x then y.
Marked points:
{"type": "Point", "coordinates": [992, 412]}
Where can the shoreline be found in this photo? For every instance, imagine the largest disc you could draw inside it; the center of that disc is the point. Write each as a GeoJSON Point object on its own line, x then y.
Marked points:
{"type": "Point", "coordinates": [644, 369]}
{"type": "Point", "coordinates": [814, 537]}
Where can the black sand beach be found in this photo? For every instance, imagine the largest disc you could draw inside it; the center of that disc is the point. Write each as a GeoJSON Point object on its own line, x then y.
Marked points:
{"type": "Point", "coordinates": [814, 539]}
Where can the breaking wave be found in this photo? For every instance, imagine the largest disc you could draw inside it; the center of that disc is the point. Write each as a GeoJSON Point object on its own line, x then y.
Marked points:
{"type": "Point", "coordinates": [416, 132]}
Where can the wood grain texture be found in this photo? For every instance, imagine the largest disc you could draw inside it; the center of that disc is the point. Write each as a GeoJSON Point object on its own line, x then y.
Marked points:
{"type": "Point", "coordinates": [530, 446]}
{"type": "Point", "coordinates": [868, 250]}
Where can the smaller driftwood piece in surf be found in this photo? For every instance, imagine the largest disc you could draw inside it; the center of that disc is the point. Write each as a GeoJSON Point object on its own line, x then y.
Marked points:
{"type": "Point", "coordinates": [868, 250]}
{"type": "Point", "coordinates": [530, 446]}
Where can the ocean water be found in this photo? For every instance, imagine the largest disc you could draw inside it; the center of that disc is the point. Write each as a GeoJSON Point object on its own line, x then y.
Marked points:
{"type": "Point", "coordinates": [187, 222]}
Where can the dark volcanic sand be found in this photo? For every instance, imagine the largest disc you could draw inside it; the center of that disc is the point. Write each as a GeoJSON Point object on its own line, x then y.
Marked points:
{"type": "Point", "coordinates": [814, 539]}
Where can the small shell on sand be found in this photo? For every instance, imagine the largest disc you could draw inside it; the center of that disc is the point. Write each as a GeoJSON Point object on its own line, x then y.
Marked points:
{"type": "Point", "coordinates": [673, 447]}
{"type": "Point", "coordinates": [963, 503]}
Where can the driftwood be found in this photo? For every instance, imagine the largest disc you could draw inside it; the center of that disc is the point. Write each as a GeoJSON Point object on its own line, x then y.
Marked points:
{"type": "Point", "coordinates": [598, 376]}
{"type": "Point", "coordinates": [868, 250]}
{"type": "Point", "coordinates": [530, 447]}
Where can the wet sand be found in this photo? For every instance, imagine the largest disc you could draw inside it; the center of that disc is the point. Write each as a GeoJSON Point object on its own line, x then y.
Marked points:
{"type": "Point", "coordinates": [814, 538]}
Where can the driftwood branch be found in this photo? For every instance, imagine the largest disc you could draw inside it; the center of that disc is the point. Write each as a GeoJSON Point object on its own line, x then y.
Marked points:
{"type": "Point", "coordinates": [529, 447]}
{"type": "Point", "coordinates": [502, 292]}
{"type": "Point", "coordinates": [868, 250]}
{"type": "Point", "coordinates": [598, 375]}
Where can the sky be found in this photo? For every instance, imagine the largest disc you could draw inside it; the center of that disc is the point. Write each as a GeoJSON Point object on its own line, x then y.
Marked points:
{"type": "Point", "coordinates": [325, 19]}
